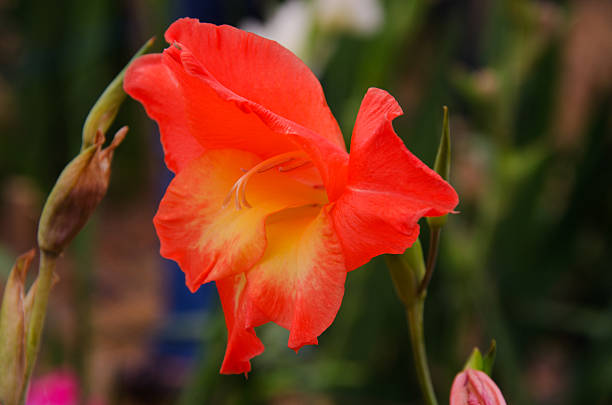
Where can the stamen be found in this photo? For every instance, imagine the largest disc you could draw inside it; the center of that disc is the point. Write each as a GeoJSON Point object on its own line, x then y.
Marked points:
{"type": "Point", "coordinates": [297, 165]}
{"type": "Point", "coordinates": [238, 190]}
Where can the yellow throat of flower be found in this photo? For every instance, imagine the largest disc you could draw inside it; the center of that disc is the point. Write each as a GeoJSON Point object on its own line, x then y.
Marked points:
{"type": "Point", "coordinates": [284, 162]}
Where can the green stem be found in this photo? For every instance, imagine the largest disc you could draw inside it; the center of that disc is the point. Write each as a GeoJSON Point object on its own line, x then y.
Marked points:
{"type": "Point", "coordinates": [414, 314]}
{"type": "Point", "coordinates": [44, 282]}
{"type": "Point", "coordinates": [432, 254]}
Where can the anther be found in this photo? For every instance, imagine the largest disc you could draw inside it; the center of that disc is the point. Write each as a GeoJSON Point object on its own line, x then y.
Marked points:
{"type": "Point", "coordinates": [297, 165]}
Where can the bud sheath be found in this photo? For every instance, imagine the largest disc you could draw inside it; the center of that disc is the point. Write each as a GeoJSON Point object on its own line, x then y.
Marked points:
{"type": "Point", "coordinates": [76, 194]}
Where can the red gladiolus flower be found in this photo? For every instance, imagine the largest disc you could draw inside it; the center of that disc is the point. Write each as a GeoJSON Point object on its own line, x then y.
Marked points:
{"type": "Point", "coordinates": [266, 200]}
{"type": "Point", "coordinates": [473, 387]}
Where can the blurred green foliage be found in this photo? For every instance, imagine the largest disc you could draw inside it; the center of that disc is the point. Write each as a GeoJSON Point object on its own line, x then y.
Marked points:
{"type": "Point", "coordinates": [527, 259]}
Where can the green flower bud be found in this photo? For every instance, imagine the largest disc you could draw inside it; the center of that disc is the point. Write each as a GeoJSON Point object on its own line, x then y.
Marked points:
{"type": "Point", "coordinates": [84, 181]}
{"type": "Point", "coordinates": [407, 271]}
{"type": "Point", "coordinates": [442, 165]}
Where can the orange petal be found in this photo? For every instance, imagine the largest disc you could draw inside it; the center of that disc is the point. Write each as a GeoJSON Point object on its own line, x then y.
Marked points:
{"type": "Point", "coordinates": [240, 318]}
{"type": "Point", "coordinates": [211, 241]}
{"type": "Point", "coordinates": [299, 282]}
{"type": "Point", "coordinates": [154, 84]}
{"type": "Point", "coordinates": [228, 89]}
{"type": "Point", "coordinates": [258, 129]}
{"type": "Point", "coordinates": [259, 70]}
{"type": "Point", "coordinates": [388, 188]}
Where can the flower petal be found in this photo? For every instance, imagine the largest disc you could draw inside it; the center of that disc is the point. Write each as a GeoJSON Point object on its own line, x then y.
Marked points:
{"type": "Point", "coordinates": [258, 129]}
{"type": "Point", "coordinates": [209, 239]}
{"type": "Point", "coordinates": [193, 100]}
{"type": "Point", "coordinates": [151, 82]}
{"type": "Point", "coordinates": [473, 387]}
{"type": "Point", "coordinates": [191, 115]}
{"type": "Point", "coordinates": [259, 70]}
{"type": "Point", "coordinates": [242, 342]}
{"type": "Point", "coordinates": [388, 188]}
{"type": "Point", "coordinates": [299, 282]}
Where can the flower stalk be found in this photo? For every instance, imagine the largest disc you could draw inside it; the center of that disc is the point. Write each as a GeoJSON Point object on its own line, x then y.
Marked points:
{"type": "Point", "coordinates": [408, 271]}
{"type": "Point", "coordinates": [442, 167]}
{"type": "Point", "coordinates": [414, 315]}
{"type": "Point", "coordinates": [411, 276]}
{"type": "Point", "coordinates": [103, 113]}
{"type": "Point", "coordinates": [432, 254]}
{"type": "Point", "coordinates": [44, 282]}
{"type": "Point", "coordinates": [71, 202]}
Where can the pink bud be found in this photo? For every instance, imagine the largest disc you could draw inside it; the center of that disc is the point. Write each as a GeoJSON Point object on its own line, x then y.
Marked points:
{"type": "Point", "coordinates": [473, 387]}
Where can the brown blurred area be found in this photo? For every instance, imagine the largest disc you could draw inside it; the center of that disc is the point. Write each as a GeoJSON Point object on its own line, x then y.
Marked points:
{"type": "Point", "coordinates": [125, 290]}
{"type": "Point", "coordinates": [586, 71]}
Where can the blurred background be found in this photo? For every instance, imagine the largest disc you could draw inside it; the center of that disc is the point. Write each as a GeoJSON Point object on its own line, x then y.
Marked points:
{"type": "Point", "coordinates": [527, 260]}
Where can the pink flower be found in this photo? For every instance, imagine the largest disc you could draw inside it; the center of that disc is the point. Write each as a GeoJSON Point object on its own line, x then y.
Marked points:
{"type": "Point", "coordinates": [473, 387]}
{"type": "Point", "coordinates": [56, 388]}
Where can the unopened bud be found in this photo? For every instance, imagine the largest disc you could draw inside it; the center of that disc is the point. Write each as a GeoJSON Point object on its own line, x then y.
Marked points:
{"type": "Point", "coordinates": [76, 194]}
{"type": "Point", "coordinates": [407, 271]}
{"type": "Point", "coordinates": [442, 165]}
{"type": "Point", "coordinates": [473, 387]}
{"type": "Point", "coordinates": [13, 326]}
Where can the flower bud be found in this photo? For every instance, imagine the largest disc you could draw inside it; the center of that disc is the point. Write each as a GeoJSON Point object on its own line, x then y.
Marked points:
{"type": "Point", "coordinates": [84, 181]}
{"type": "Point", "coordinates": [442, 165]}
{"type": "Point", "coordinates": [473, 387]}
{"type": "Point", "coordinates": [77, 192]}
{"type": "Point", "coordinates": [13, 326]}
{"type": "Point", "coordinates": [406, 271]}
